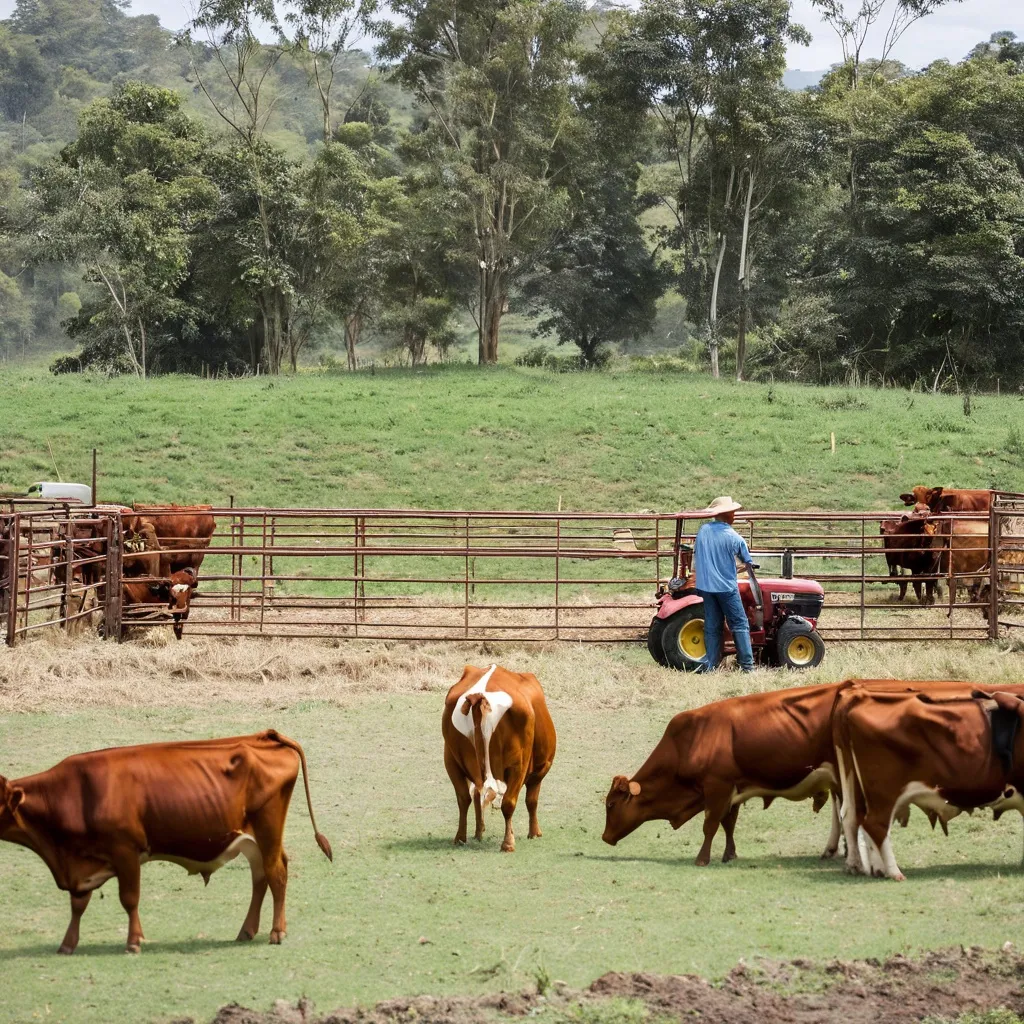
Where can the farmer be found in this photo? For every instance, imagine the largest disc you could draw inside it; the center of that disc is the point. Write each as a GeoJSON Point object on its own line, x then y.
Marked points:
{"type": "Point", "coordinates": [716, 549]}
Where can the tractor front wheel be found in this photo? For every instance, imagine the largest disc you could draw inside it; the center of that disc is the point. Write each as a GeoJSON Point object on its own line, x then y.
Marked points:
{"type": "Point", "coordinates": [682, 638]}
{"type": "Point", "coordinates": [654, 644]}
{"type": "Point", "coordinates": [798, 645]}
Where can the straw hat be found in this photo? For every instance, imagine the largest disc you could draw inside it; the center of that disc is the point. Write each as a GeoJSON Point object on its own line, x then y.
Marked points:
{"type": "Point", "coordinates": [722, 505]}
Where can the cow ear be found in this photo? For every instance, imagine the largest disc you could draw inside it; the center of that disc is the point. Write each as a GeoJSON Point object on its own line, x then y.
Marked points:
{"type": "Point", "coordinates": [907, 499]}
{"type": "Point", "coordinates": [620, 784]}
{"type": "Point", "coordinates": [933, 495]}
{"type": "Point", "coordinates": [1008, 701]}
{"type": "Point", "coordinates": [15, 795]}
{"type": "Point", "coordinates": [634, 788]}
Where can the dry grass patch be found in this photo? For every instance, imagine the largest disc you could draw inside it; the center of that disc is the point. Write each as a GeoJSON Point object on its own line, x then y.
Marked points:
{"type": "Point", "coordinates": [54, 674]}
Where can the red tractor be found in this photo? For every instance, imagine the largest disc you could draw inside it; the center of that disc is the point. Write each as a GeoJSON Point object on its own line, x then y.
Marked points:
{"type": "Point", "coordinates": [783, 615]}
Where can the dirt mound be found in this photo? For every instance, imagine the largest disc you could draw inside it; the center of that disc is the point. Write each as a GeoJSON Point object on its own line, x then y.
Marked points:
{"type": "Point", "coordinates": [943, 984]}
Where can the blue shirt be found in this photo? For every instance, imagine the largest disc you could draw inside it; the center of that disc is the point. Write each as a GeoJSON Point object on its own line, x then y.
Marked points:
{"type": "Point", "coordinates": [714, 556]}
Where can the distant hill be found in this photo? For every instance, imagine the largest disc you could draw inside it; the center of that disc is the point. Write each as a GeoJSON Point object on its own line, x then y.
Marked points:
{"type": "Point", "coordinates": [798, 80]}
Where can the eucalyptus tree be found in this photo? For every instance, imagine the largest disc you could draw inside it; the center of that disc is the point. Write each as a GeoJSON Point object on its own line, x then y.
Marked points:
{"type": "Point", "coordinates": [125, 201]}
{"type": "Point", "coordinates": [710, 71]}
{"type": "Point", "coordinates": [494, 84]}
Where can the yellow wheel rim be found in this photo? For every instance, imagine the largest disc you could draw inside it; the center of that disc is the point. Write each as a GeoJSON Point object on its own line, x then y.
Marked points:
{"type": "Point", "coordinates": [691, 639]}
{"type": "Point", "coordinates": [800, 650]}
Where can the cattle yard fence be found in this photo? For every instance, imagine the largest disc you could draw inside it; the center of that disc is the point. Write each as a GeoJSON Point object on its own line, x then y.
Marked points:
{"type": "Point", "coordinates": [380, 574]}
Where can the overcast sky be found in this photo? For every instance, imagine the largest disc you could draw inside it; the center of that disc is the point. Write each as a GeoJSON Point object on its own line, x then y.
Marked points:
{"type": "Point", "coordinates": [948, 34]}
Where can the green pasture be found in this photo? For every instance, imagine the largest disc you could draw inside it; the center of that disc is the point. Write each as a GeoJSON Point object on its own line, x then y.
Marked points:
{"type": "Point", "coordinates": [401, 911]}
{"type": "Point", "coordinates": [451, 437]}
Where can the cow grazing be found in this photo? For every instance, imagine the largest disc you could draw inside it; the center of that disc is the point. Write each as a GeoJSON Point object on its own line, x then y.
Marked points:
{"type": "Point", "coordinates": [943, 752]}
{"type": "Point", "coordinates": [714, 758]}
{"type": "Point", "coordinates": [498, 737]}
{"type": "Point", "coordinates": [942, 499]}
{"type": "Point", "coordinates": [139, 596]}
{"type": "Point", "coordinates": [184, 531]}
{"type": "Point", "coordinates": [104, 814]}
{"type": "Point", "coordinates": [908, 545]}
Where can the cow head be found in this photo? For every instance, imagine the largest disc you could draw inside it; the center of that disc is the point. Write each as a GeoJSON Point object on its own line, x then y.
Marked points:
{"type": "Point", "coordinates": [630, 803]}
{"type": "Point", "coordinates": [915, 495]}
{"type": "Point", "coordinates": [180, 588]}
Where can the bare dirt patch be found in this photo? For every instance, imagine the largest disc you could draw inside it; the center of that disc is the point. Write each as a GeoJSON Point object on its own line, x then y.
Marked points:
{"type": "Point", "coordinates": [939, 985]}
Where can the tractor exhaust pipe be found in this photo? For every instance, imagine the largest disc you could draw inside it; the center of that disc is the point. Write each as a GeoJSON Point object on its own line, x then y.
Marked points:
{"type": "Point", "coordinates": [787, 564]}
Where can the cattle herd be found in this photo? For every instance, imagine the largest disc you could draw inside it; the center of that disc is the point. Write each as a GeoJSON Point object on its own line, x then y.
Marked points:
{"type": "Point", "coordinates": [870, 748]}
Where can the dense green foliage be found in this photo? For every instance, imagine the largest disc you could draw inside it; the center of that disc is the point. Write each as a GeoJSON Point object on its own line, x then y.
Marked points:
{"type": "Point", "coordinates": [260, 188]}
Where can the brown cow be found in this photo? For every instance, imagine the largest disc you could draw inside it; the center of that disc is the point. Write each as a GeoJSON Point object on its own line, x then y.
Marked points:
{"type": "Point", "coordinates": [176, 591]}
{"type": "Point", "coordinates": [966, 542]}
{"type": "Point", "coordinates": [498, 736]}
{"type": "Point", "coordinates": [185, 530]}
{"type": "Point", "coordinates": [945, 753]}
{"type": "Point", "coordinates": [908, 545]}
{"type": "Point", "coordinates": [941, 499]}
{"type": "Point", "coordinates": [104, 814]}
{"type": "Point", "coordinates": [765, 745]}
{"type": "Point", "coordinates": [714, 758]}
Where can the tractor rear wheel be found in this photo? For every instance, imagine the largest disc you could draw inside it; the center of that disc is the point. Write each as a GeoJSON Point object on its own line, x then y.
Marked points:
{"type": "Point", "coordinates": [654, 641]}
{"type": "Point", "coordinates": [682, 638]}
{"type": "Point", "coordinates": [798, 645]}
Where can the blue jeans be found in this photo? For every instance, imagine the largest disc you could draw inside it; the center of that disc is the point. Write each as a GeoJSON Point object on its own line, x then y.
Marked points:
{"type": "Point", "coordinates": [720, 608]}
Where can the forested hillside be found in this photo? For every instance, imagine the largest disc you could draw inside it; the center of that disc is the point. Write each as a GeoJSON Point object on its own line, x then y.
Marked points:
{"type": "Point", "coordinates": [292, 180]}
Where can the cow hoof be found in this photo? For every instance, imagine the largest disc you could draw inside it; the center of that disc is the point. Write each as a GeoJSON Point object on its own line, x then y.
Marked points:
{"type": "Point", "coordinates": [702, 862]}
{"type": "Point", "coordinates": [459, 842]}
{"type": "Point", "coordinates": [245, 936]}
{"type": "Point", "coordinates": [133, 947]}
{"type": "Point", "coordinates": [508, 847]}
{"type": "Point", "coordinates": [66, 950]}
{"type": "Point", "coordinates": [276, 938]}
{"type": "Point", "coordinates": [728, 856]}
{"type": "Point", "coordinates": [828, 854]}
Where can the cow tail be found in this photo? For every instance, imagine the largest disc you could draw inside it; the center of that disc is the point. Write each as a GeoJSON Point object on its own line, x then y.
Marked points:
{"type": "Point", "coordinates": [321, 839]}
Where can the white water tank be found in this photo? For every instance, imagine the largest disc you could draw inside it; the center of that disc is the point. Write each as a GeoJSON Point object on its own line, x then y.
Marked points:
{"type": "Point", "coordinates": [51, 490]}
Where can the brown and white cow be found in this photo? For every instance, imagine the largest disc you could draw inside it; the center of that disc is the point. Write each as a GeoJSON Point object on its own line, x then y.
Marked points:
{"type": "Point", "coordinates": [200, 804]}
{"type": "Point", "coordinates": [944, 499]}
{"type": "Point", "coordinates": [140, 597]}
{"type": "Point", "coordinates": [714, 758]}
{"type": "Point", "coordinates": [941, 751]}
{"type": "Point", "coordinates": [498, 737]}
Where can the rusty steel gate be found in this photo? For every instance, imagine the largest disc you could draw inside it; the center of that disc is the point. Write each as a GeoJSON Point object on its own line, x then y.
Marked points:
{"type": "Point", "coordinates": [380, 574]}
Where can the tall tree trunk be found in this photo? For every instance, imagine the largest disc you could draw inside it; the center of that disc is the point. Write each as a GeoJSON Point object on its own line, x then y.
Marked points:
{"type": "Point", "coordinates": [142, 340]}
{"type": "Point", "coordinates": [741, 334]}
{"type": "Point", "coordinates": [713, 314]}
{"type": "Point", "coordinates": [723, 239]}
{"type": "Point", "coordinates": [353, 328]}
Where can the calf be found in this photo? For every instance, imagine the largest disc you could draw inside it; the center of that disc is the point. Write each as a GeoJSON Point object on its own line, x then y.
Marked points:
{"type": "Point", "coordinates": [944, 752]}
{"type": "Point", "coordinates": [498, 736]}
{"type": "Point", "coordinates": [908, 545]}
{"type": "Point", "coordinates": [176, 591]}
{"type": "Point", "coordinates": [104, 814]}
{"type": "Point", "coordinates": [714, 758]}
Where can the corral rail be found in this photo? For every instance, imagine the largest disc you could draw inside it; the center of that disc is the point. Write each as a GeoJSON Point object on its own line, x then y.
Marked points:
{"type": "Point", "coordinates": [388, 574]}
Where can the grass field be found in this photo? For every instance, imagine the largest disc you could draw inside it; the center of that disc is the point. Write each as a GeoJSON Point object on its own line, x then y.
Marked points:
{"type": "Point", "coordinates": [565, 907]}
{"type": "Point", "coordinates": [462, 437]}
